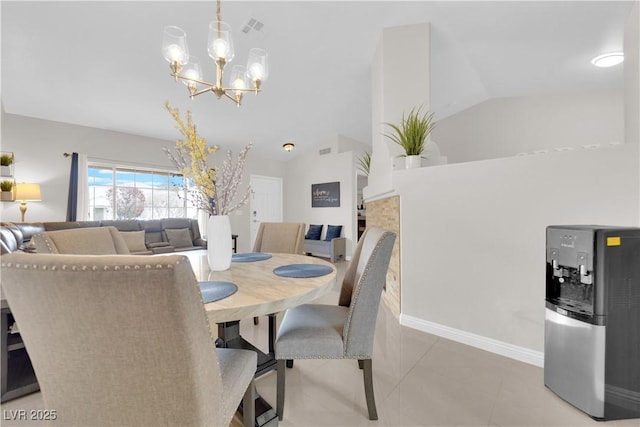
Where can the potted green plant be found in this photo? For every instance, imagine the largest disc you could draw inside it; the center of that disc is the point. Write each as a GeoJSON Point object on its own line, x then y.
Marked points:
{"type": "Point", "coordinates": [412, 134]}
{"type": "Point", "coordinates": [364, 163]}
{"type": "Point", "coordinates": [6, 160]}
{"type": "Point", "coordinates": [6, 186]}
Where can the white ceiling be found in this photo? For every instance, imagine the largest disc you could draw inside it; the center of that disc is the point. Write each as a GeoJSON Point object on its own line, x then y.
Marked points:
{"type": "Point", "coordinates": [99, 64]}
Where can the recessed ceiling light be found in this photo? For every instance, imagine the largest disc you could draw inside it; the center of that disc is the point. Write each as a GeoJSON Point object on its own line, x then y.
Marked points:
{"type": "Point", "coordinates": [289, 146]}
{"type": "Point", "coordinates": [608, 59]}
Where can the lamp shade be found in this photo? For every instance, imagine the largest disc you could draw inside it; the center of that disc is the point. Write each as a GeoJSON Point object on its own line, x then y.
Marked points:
{"type": "Point", "coordinates": [257, 66]}
{"type": "Point", "coordinates": [237, 80]}
{"type": "Point", "coordinates": [174, 45]}
{"type": "Point", "coordinates": [27, 192]}
{"type": "Point", "coordinates": [220, 44]}
{"type": "Point", "coordinates": [192, 70]}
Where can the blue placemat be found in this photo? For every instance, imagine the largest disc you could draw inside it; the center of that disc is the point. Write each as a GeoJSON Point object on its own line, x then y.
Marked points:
{"type": "Point", "coordinates": [216, 290]}
{"type": "Point", "coordinates": [302, 270]}
{"type": "Point", "coordinates": [250, 257]}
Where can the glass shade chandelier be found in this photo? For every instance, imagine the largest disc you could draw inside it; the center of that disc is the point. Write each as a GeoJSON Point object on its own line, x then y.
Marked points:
{"type": "Point", "coordinates": [220, 47]}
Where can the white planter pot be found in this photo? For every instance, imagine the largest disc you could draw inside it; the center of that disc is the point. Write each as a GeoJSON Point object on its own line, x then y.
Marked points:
{"type": "Point", "coordinates": [411, 162]}
{"type": "Point", "coordinates": [6, 196]}
{"type": "Point", "coordinates": [219, 244]}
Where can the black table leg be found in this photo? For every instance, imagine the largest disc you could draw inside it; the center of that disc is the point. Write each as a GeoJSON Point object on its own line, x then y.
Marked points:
{"type": "Point", "coordinates": [229, 333]}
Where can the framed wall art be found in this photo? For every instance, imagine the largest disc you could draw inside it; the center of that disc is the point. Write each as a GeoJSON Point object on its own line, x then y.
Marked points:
{"type": "Point", "coordinates": [326, 195]}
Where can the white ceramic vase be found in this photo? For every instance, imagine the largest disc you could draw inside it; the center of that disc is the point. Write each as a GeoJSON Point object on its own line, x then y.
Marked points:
{"type": "Point", "coordinates": [219, 244]}
{"type": "Point", "coordinates": [411, 162]}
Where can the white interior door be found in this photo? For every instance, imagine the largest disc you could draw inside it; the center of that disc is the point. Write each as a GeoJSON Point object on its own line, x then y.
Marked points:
{"type": "Point", "coordinates": [266, 202]}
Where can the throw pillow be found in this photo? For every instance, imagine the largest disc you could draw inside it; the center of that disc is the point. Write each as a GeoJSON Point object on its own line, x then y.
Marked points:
{"type": "Point", "coordinates": [333, 231]}
{"type": "Point", "coordinates": [314, 232]}
{"type": "Point", "coordinates": [179, 237]}
{"type": "Point", "coordinates": [134, 240]}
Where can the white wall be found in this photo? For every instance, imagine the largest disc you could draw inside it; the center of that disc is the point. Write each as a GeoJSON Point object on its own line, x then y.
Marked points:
{"type": "Point", "coordinates": [632, 74]}
{"type": "Point", "coordinates": [39, 146]}
{"type": "Point", "coordinates": [504, 127]}
{"type": "Point", "coordinates": [311, 168]}
{"type": "Point", "coordinates": [473, 234]}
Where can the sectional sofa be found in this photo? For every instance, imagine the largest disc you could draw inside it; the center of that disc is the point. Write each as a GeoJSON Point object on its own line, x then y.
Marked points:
{"type": "Point", "coordinates": [143, 237]}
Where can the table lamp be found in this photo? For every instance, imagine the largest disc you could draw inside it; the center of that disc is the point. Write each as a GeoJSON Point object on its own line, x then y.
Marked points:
{"type": "Point", "coordinates": [26, 192]}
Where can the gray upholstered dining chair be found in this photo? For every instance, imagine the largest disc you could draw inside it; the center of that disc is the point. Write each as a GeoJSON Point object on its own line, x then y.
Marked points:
{"type": "Point", "coordinates": [346, 330]}
{"type": "Point", "coordinates": [278, 237]}
{"type": "Point", "coordinates": [124, 340]}
{"type": "Point", "coordinates": [81, 241]}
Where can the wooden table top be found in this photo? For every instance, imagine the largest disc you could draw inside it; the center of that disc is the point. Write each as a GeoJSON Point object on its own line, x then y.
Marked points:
{"type": "Point", "coordinates": [260, 291]}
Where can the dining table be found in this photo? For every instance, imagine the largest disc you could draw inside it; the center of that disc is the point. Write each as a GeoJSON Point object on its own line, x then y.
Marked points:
{"type": "Point", "coordinates": [259, 284]}
{"type": "Point", "coordinates": [260, 290]}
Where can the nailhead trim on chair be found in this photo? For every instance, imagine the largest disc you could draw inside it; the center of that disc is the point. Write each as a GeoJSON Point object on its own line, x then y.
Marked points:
{"type": "Point", "coordinates": [323, 357]}
{"type": "Point", "coordinates": [65, 267]}
{"type": "Point", "coordinates": [347, 322]}
{"type": "Point", "coordinates": [96, 268]}
{"type": "Point", "coordinates": [48, 243]}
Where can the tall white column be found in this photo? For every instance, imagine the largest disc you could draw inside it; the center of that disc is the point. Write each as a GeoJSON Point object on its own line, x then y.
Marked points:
{"type": "Point", "coordinates": [400, 81]}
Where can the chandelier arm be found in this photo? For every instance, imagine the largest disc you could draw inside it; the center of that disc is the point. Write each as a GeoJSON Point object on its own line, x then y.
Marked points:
{"type": "Point", "coordinates": [213, 85]}
{"type": "Point", "coordinates": [232, 98]}
{"type": "Point", "coordinates": [200, 92]}
{"type": "Point", "coordinates": [189, 79]}
{"type": "Point", "coordinates": [233, 89]}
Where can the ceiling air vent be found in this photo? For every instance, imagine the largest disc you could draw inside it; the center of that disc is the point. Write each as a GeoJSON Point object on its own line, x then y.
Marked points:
{"type": "Point", "coordinates": [324, 151]}
{"type": "Point", "coordinates": [252, 24]}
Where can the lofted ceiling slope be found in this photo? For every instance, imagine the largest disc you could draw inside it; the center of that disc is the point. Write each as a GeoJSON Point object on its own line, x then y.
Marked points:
{"type": "Point", "coordinates": [98, 63]}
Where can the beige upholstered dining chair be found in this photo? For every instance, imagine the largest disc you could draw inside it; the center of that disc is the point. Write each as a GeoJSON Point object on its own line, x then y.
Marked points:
{"type": "Point", "coordinates": [279, 237]}
{"type": "Point", "coordinates": [124, 340]}
{"type": "Point", "coordinates": [346, 330]}
{"type": "Point", "coordinates": [81, 241]}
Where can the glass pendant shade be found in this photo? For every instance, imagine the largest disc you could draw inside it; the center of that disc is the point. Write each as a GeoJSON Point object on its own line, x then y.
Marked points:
{"type": "Point", "coordinates": [257, 66]}
{"type": "Point", "coordinates": [220, 44]}
{"type": "Point", "coordinates": [238, 77]}
{"type": "Point", "coordinates": [192, 70]}
{"type": "Point", "coordinates": [174, 45]}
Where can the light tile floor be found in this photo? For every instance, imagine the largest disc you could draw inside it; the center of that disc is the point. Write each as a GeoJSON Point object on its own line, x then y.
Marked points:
{"type": "Point", "coordinates": [419, 379]}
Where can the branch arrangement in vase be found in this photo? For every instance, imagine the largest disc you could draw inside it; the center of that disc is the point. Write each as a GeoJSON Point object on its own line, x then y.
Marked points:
{"type": "Point", "coordinates": [228, 180]}
{"type": "Point", "coordinates": [213, 190]}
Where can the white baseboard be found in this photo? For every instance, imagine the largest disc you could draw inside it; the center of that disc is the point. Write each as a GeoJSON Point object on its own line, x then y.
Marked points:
{"type": "Point", "coordinates": [522, 354]}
